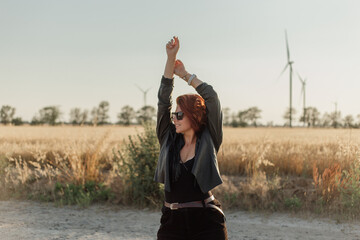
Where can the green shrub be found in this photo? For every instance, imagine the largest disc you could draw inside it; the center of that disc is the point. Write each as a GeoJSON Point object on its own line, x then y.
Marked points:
{"type": "Point", "coordinates": [230, 199]}
{"type": "Point", "coordinates": [349, 187]}
{"type": "Point", "coordinates": [83, 195]}
{"type": "Point", "coordinates": [3, 165]}
{"type": "Point", "coordinates": [137, 166]}
{"type": "Point", "coordinates": [293, 203]}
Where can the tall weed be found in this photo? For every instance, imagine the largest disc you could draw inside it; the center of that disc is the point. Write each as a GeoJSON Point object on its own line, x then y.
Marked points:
{"type": "Point", "coordinates": [349, 187]}
{"type": "Point", "coordinates": [327, 183]}
{"type": "Point", "coordinates": [137, 166]}
{"type": "Point", "coordinates": [259, 191]}
{"type": "Point", "coordinates": [70, 177]}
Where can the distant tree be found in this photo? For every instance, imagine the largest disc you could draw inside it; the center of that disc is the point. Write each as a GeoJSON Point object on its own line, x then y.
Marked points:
{"type": "Point", "coordinates": [84, 117]}
{"type": "Point", "coordinates": [94, 116]}
{"type": "Point", "coordinates": [6, 114]}
{"type": "Point", "coordinates": [252, 114]}
{"type": "Point", "coordinates": [304, 118]}
{"type": "Point", "coordinates": [242, 118]}
{"type": "Point", "coordinates": [47, 115]}
{"type": "Point", "coordinates": [50, 114]}
{"type": "Point", "coordinates": [312, 117]}
{"type": "Point", "coordinates": [349, 121]}
{"type": "Point", "coordinates": [226, 116]}
{"type": "Point", "coordinates": [326, 120]}
{"type": "Point", "coordinates": [286, 116]}
{"type": "Point", "coordinates": [35, 120]}
{"type": "Point", "coordinates": [126, 115]}
{"type": "Point", "coordinates": [78, 117]}
{"type": "Point", "coordinates": [234, 120]}
{"type": "Point", "coordinates": [335, 118]}
{"type": "Point", "coordinates": [75, 114]}
{"type": "Point", "coordinates": [358, 122]}
{"type": "Point", "coordinates": [103, 112]}
{"type": "Point", "coordinates": [17, 121]}
{"type": "Point", "coordinates": [100, 114]}
{"type": "Point", "coordinates": [146, 114]}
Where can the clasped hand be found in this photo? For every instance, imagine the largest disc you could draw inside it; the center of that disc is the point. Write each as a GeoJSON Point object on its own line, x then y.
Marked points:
{"type": "Point", "coordinates": [172, 48]}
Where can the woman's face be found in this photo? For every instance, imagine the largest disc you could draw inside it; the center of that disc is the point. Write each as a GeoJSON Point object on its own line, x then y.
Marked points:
{"type": "Point", "coordinates": [182, 125]}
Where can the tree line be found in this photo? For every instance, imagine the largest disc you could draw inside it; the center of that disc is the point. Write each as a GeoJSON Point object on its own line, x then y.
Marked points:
{"type": "Point", "coordinates": [310, 117]}
{"type": "Point", "coordinates": [99, 115]}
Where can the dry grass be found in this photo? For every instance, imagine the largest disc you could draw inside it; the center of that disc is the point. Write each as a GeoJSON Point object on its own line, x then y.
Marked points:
{"type": "Point", "coordinates": [262, 167]}
{"type": "Point", "coordinates": [286, 151]}
{"type": "Point", "coordinates": [22, 139]}
{"type": "Point", "coordinates": [36, 158]}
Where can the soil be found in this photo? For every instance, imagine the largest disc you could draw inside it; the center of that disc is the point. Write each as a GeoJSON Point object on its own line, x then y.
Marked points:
{"type": "Point", "coordinates": [34, 220]}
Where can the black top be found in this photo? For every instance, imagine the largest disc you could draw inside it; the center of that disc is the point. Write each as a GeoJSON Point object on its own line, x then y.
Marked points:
{"type": "Point", "coordinates": [185, 188]}
{"type": "Point", "coordinates": [205, 169]}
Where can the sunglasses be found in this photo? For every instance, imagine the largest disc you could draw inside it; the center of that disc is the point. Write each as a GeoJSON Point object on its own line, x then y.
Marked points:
{"type": "Point", "coordinates": [178, 115]}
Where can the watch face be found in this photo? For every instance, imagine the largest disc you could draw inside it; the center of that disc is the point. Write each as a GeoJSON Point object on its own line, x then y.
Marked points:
{"type": "Point", "coordinates": [191, 78]}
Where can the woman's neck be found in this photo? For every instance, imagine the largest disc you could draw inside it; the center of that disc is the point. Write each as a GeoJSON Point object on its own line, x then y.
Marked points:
{"type": "Point", "coordinates": [189, 137]}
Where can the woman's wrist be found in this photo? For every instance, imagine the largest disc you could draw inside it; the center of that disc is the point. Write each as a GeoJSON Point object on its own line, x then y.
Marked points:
{"type": "Point", "coordinates": [169, 68]}
{"type": "Point", "coordinates": [184, 75]}
{"type": "Point", "coordinates": [194, 81]}
{"type": "Point", "coordinates": [171, 58]}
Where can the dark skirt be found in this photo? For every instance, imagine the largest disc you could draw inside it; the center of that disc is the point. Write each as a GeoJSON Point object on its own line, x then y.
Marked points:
{"type": "Point", "coordinates": [192, 223]}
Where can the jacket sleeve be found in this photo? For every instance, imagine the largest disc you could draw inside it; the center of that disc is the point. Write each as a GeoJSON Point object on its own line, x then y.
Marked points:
{"type": "Point", "coordinates": [164, 106]}
{"type": "Point", "coordinates": [213, 112]}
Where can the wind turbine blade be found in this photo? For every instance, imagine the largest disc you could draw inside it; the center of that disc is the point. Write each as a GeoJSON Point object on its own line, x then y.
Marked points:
{"type": "Point", "coordinates": [286, 66]}
{"type": "Point", "coordinates": [141, 89]}
{"type": "Point", "coordinates": [301, 80]}
{"type": "Point", "coordinates": [287, 47]}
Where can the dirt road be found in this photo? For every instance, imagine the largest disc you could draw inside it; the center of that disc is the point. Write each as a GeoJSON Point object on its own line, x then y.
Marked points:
{"type": "Point", "coordinates": [33, 220]}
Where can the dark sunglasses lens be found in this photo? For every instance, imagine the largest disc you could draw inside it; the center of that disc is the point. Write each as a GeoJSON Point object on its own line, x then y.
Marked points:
{"type": "Point", "coordinates": [179, 115]}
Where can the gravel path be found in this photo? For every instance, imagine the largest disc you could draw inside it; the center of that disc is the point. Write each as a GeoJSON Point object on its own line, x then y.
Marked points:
{"type": "Point", "coordinates": [33, 220]}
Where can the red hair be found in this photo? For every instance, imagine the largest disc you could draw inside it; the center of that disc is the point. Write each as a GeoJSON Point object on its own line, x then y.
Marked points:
{"type": "Point", "coordinates": [193, 106]}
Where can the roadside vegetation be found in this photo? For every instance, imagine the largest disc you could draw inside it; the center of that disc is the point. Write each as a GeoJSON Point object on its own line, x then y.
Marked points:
{"type": "Point", "coordinates": [315, 170]}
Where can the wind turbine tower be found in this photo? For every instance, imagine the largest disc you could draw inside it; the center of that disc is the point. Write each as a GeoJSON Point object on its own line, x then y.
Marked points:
{"type": "Point", "coordinates": [289, 64]}
{"type": "Point", "coordinates": [336, 114]}
{"type": "Point", "coordinates": [303, 82]}
{"type": "Point", "coordinates": [144, 92]}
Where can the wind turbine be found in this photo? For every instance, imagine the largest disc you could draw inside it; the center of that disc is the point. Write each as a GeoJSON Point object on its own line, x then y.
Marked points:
{"type": "Point", "coordinates": [303, 82]}
{"type": "Point", "coordinates": [288, 64]}
{"type": "Point", "coordinates": [336, 114]}
{"type": "Point", "coordinates": [144, 92]}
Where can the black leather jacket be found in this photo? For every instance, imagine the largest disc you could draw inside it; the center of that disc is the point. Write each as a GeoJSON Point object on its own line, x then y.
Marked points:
{"type": "Point", "coordinates": [205, 169]}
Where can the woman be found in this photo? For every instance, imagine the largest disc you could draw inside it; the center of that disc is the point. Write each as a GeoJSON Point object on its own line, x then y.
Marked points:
{"type": "Point", "coordinates": [189, 140]}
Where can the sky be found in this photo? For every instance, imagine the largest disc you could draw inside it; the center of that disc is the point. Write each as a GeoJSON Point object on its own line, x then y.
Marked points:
{"type": "Point", "coordinates": [78, 53]}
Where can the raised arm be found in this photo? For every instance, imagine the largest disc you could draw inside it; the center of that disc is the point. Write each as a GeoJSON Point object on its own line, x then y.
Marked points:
{"type": "Point", "coordinates": [213, 112]}
{"type": "Point", "coordinates": [213, 107]}
{"type": "Point", "coordinates": [164, 95]}
{"type": "Point", "coordinates": [172, 47]}
{"type": "Point", "coordinates": [164, 106]}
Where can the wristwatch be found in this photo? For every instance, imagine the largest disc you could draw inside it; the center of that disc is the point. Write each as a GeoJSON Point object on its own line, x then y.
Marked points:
{"type": "Point", "coordinates": [191, 78]}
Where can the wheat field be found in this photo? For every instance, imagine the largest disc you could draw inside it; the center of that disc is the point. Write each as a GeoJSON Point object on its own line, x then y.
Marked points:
{"type": "Point", "coordinates": [260, 166]}
{"type": "Point", "coordinates": [244, 150]}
